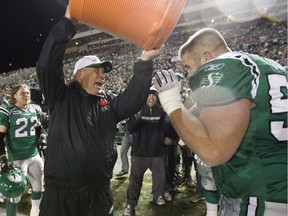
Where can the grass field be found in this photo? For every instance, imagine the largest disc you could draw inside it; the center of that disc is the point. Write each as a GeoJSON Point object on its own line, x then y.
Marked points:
{"type": "Point", "coordinates": [180, 206]}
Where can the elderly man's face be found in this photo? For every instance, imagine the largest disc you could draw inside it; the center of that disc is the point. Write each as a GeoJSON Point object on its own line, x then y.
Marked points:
{"type": "Point", "coordinates": [91, 79]}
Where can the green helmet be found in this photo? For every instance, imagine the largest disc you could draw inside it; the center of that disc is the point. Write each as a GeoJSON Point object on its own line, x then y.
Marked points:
{"type": "Point", "coordinates": [13, 183]}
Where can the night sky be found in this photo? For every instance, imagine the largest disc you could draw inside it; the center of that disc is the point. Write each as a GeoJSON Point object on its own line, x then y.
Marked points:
{"type": "Point", "coordinates": [24, 28]}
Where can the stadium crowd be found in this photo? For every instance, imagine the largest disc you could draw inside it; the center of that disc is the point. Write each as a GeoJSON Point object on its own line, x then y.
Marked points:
{"type": "Point", "coordinates": [261, 36]}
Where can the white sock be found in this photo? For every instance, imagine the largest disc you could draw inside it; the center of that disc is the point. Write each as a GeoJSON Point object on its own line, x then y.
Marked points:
{"type": "Point", "coordinates": [35, 207]}
{"type": "Point", "coordinates": [211, 209]}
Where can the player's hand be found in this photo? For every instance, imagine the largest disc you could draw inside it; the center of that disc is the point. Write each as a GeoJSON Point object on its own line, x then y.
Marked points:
{"type": "Point", "coordinates": [169, 88]}
{"type": "Point", "coordinates": [165, 79]}
{"type": "Point", "coordinates": [5, 164]}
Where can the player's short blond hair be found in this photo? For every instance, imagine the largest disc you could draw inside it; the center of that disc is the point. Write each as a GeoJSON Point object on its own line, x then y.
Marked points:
{"type": "Point", "coordinates": [207, 39]}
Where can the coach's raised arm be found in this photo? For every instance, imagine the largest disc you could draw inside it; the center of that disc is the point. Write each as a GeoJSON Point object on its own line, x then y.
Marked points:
{"type": "Point", "coordinates": [81, 153]}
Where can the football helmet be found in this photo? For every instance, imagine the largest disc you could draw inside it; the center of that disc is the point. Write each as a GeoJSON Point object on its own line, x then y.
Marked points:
{"type": "Point", "coordinates": [13, 183]}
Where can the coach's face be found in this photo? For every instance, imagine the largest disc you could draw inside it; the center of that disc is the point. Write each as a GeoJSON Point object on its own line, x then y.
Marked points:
{"type": "Point", "coordinates": [91, 79]}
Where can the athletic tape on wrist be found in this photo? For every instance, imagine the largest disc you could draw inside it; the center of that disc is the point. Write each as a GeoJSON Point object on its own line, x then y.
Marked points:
{"type": "Point", "coordinates": [170, 107]}
{"type": "Point", "coordinates": [171, 99]}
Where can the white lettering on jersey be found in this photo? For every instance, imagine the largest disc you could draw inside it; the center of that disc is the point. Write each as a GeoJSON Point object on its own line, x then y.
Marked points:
{"type": "Point", "coordinates": [279, 103]}
{"type": "Point", "coordinates": [24, 130]}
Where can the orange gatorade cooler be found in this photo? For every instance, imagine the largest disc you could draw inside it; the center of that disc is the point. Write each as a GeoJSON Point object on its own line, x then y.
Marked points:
{"type": "Point", "coordinates": [145, 23]}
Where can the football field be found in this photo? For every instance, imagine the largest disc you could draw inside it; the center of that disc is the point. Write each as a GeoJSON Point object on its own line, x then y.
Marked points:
{"type": "Point", "coordinates": [179, 206]}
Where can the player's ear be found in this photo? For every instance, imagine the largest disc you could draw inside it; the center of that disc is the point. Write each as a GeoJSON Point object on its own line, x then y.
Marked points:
{"type": "Point", "coordinates": [207, 56]}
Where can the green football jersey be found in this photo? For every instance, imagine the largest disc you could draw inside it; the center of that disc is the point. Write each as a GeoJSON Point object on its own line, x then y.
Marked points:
{"type": "Point", "coordinates": [259, 166]}
{"type": "Point", "coordinates": [20, 137]}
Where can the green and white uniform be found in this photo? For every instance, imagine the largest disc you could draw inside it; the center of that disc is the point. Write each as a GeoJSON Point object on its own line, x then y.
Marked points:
{"type": "Point", "coordinates": [259, 166]}
{"type": "Point", "coordinates": [21, 137]}
{"type": "Point", "coordinates": [21, 142]}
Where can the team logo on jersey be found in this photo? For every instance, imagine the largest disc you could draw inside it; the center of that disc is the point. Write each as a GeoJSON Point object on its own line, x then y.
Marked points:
{"type": "Point", "coordinates": [213, 67]}
{"type": "Point", "coordinates": [16, 112]}
{"type": "Point", "coordinates": [211, 79]}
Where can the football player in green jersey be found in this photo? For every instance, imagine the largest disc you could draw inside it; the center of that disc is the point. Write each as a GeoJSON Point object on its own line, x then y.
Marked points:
{"type": "Point", "coordinates": [19, 123]}
{"type": "Point", "coordinates": [242, 128]}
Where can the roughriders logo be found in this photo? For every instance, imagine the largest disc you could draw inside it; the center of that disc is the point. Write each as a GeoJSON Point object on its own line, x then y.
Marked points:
{"type": "Point", "coordinates": [211, 79]}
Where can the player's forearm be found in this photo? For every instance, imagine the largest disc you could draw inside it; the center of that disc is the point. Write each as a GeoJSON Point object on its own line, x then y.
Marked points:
{"type": "Point", "coordinates": [196, 136]}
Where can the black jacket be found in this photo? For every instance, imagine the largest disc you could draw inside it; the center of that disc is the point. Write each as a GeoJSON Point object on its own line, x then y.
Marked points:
{"type": "Point", "coordinates": [149, 127]}
{"type": "Point", "coordinates": [81, 150]}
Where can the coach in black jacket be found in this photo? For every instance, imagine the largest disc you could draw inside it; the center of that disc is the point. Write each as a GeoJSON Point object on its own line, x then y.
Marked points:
{"type": "Point", "coordinates": [81, 153]}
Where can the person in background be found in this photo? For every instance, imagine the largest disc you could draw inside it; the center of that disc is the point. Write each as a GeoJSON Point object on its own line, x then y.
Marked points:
{"type": "Point", "coordinates": [188, 155]}
{"type": "Point", "coordinates": [4, 100]}
{"type": "Point", "coordinates": [205, 177]}
{"type": "Point", "coordinates": [241, 131]}
{"type": "Point", "coordinates": [19, 125]}
{"type": "Point", "coordinates": [211, 194]}
{"type": "Point", "coordinates": [170, 161]}
{"type": "Point", "coordinates": [126, 143]}
{"type": "Point", "coordinates": [149, 127]}
{"type": "Point", "coordinates": [37, 98]}
{"type": "Point", "coordinates": [81, 153]}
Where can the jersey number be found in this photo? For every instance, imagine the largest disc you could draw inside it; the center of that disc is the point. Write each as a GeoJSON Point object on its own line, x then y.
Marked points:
{"type": "Point", "coordinates": [278, 103]}
{"type": "Point", "coordinates": [24, 130]}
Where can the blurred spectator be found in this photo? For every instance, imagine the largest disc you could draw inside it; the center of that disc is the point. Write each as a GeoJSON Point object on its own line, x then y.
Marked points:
{"type": "Point", "coordinates": [149, 126]}
{"type": "Point", "coordinates": [260, 36]}
{"type": "Point", "coordinates": [125, 146]}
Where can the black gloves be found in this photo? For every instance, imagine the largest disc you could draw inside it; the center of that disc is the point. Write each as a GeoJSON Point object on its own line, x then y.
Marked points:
{"type": "Point", "coordinates": [42, 142]}
{"type": "Point", "coordinates": [5, 164]}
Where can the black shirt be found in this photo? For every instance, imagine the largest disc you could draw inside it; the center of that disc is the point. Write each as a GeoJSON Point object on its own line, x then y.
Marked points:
{"type": "Point", "coordinates": [149, 127]}
{"type": "Point", "coordinates": [80, 145]}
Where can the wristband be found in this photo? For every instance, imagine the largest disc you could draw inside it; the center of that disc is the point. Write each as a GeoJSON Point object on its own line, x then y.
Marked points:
{"type": "Point", "coordinates": [171, 99]}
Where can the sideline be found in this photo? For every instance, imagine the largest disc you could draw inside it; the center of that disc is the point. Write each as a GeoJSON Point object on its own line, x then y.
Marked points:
{"type": "Point", "coordinates": [3, 212]}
